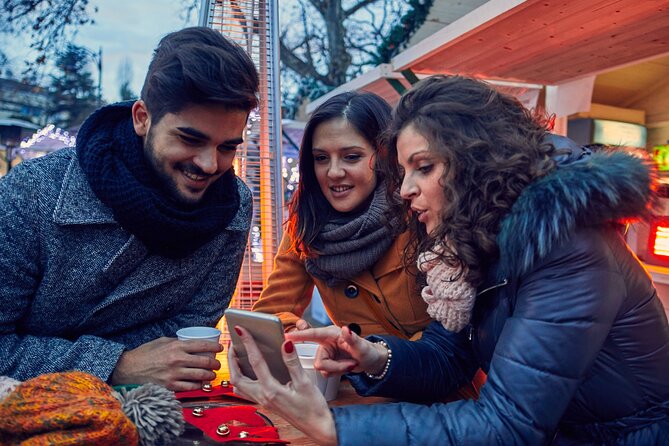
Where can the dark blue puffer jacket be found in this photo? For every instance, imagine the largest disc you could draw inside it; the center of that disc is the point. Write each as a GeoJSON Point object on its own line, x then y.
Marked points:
{"type": "Point", "coordinates": [569, 329]}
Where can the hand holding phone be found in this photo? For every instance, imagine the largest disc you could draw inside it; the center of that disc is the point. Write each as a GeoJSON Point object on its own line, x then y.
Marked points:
{"type": "Point", "coordinates": [267, 332]}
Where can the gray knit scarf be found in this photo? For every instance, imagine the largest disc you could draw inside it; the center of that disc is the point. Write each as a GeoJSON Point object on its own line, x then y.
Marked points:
{"type": "Point", "coordinates": [349, 245]}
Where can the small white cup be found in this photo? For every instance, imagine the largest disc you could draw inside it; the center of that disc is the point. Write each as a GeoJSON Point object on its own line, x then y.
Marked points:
{"type": "Point", "coordinates": [328, 386]}
{"type": "Point", "coordinates": [201, 334]}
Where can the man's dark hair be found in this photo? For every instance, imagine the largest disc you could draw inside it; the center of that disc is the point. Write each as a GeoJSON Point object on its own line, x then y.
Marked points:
{"type": "Point", "coordinates": [200, 66]}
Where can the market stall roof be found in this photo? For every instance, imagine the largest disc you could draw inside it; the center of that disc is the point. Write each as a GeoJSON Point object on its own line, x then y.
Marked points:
{"type": "Point", "coordinates": [546, 42]}
{"type": "Point", "coordinates": [12, 122]}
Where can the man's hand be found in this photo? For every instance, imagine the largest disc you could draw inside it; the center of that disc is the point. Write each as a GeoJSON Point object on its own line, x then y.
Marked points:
{"type": "Point", "coordinates": [177, 365]}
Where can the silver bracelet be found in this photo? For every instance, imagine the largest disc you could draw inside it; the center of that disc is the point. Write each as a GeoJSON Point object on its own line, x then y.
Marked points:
{"type": "Point", "coordinates": [386, 367]}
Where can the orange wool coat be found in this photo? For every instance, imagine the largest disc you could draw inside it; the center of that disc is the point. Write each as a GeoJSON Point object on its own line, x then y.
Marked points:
{"type": "Point", "coordinates": [385, 291]}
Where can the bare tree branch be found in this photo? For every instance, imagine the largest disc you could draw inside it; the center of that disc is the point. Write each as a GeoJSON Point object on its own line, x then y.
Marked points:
{"type": "Point", "coordinates": [307, 39]}
{"type": "Point", "coordinates": [353, 9]}
{"type": "Point", "coordinates": [319, 5]}
{"type": "Point", "coordinates": [50, 23]}
{"type": "Point", "coordinates": [188, 8]}
{"type": "Point", "coordinates": [323, 44]}
{"type": "Point", "coordinates": [299, 66]}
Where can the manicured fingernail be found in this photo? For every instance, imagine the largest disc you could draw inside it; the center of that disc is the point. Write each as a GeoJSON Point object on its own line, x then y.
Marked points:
{"type": "Point", "coordinates": [289, 347]}
{"type": "Point", "coordinates": [238, 331]}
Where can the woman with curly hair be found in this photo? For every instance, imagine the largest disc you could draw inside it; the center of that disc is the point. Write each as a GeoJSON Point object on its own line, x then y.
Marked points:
{"type": "Point", "coordinates": [525, 264]}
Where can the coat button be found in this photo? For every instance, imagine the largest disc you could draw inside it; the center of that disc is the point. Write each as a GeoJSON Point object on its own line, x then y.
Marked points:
{"type": "Point", "coordinates": [351, 291]}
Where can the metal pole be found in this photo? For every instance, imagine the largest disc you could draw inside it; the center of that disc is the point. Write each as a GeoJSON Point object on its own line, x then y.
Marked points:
{"type": "Point", "coordinates": [204, 13]}
{"type": "Point", "coordinates": [275, 85]}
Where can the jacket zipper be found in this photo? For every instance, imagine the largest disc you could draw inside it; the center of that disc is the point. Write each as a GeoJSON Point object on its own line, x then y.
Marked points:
{"type": "Point", "coordinates": [490, 288]}
{"type": "Point", "coordinates": [502, 283]}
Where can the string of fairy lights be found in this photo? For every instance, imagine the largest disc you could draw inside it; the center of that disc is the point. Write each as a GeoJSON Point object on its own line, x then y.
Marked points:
{"type": "Point", "coordinates": [49, 132]}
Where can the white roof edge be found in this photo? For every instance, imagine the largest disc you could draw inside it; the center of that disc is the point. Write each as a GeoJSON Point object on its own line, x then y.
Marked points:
{"type": "Point", "coordinates": [505, 83]}
{"type": "Point", "coordinates": [381, 71]}
{"type": "Point", "coordinates": [474, 19]}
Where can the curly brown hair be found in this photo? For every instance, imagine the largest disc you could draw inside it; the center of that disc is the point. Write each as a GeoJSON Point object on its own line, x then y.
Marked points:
{"type": "Point", "coordinates": [492, 147]}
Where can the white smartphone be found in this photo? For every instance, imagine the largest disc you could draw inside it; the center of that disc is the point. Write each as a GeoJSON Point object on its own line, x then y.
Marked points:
{"type": "Point", "coordinates": [267, 331]}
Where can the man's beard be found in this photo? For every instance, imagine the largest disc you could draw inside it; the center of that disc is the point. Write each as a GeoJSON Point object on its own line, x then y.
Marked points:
{"type": "Point", "coordinates": [167, 183]}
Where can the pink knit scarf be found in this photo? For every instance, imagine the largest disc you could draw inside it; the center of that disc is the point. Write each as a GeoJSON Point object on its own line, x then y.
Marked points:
{"type": "Point", "coordinates": [449, 297]}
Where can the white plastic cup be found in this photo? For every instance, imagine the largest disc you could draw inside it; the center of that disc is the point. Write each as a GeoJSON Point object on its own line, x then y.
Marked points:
{"type": "Point", "coordinates": [201, 334]}
{"type": "Point", "coordinates": [328, 386]}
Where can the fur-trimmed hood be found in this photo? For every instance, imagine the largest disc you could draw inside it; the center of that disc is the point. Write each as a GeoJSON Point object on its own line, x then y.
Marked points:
{"type": "Point", "coordinates": [585, 190]}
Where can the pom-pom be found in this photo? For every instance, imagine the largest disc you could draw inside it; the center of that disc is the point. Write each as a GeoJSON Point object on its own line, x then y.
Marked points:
{"type": "Point", "coordinates": [7, 386]}
{"type": "Point", "coordinates": [155, 411]}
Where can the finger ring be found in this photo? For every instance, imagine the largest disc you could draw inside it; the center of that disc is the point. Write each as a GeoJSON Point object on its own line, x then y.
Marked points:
{"type": "Point", "coordinates": [223, 430]}
{"type": "Point", "coordinates": [206, 387]}
{"type": "Point", "coordinates": [198, 412]}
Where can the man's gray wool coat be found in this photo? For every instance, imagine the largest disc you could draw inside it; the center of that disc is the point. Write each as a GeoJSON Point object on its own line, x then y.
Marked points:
{"type": "Point", "coordinates": [76, 290]}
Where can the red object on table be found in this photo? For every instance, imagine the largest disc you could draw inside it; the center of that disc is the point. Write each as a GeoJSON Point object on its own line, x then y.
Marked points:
{"type": "Point", "coordinates": [237, 419]}
{"type": "Point", "coordinates": [216, 391]}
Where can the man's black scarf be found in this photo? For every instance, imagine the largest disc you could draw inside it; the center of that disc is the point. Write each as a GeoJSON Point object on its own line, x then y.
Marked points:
{"type": "Point", "coordinates": [112, 157]}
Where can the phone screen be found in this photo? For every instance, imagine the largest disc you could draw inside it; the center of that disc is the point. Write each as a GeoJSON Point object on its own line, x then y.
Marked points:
{"type": "Point", "coordinates": [267, 331]}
